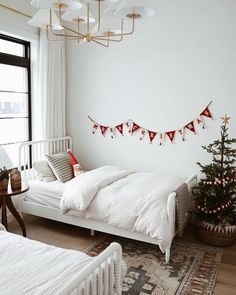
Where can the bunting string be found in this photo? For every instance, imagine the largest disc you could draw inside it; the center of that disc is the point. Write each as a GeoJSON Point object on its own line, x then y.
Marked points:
{"type": "Point", "coordinates": [160, 136]}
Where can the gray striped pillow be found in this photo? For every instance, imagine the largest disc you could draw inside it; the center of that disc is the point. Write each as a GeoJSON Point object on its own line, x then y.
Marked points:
{"type": "Point", "coordinates": [61, 166]}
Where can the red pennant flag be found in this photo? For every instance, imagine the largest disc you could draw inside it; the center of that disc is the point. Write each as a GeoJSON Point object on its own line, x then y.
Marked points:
{"type": "Point", "coordinates": [171, 135]}
{"type": "Point", "coordinates": [190, 126]}
{"type": "Point", "coordinates": [135, 127]}
{"type": "Point", "coordinates": [206, 113]}
{"type": "Point", "coordinates": [103, 129]}
{"type": "Point", "coordinates": [120, 128]}
{"type": "Point", "coordinates": [151, 135]}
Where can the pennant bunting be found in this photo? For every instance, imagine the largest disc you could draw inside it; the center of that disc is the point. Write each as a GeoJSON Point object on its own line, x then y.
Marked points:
{"type": "Point", "coordinates": [161, 138]}
{"type": "Point", "coordinates": [135, 127]}
{"type": "Point", "coordinates": [129, 126]}
{"type": "Point", "coordinates": [152, 135]}
{"type": "Point", "coordinates": [190, 126]}
{"type": "Point", "coordinates": [181, 132]}
{"type": "Point", "coordinates": [200, 121]}
{"type": "Point", "coordinates": [103, 129]}
{"type": "Point", "coordinates": [171, 135]}
{"type": "Point", "coordinates": [95, 127]}
{"type": "Point", "coordinates": [143, 132]}
{"type": "Point", "coordinates": [206, 113]}
{"type": "Point", "coordinates": [112, 132]}
{"type": "Point", "coordinates": [120, 128]}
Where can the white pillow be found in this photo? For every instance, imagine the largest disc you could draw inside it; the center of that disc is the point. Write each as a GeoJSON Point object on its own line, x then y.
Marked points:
{"type": "Point", "coordinates": [43, 171]}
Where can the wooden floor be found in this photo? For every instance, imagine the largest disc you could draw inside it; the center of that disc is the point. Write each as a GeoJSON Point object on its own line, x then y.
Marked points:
{"type": "Point", "coordinates": [72, 237]}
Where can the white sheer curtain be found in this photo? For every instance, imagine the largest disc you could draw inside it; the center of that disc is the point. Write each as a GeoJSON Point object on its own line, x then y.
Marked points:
{"type": "Point", "coordinates": [52, 80]}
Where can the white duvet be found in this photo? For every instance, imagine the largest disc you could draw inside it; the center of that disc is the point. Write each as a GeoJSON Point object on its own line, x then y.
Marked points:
{"type": "Point", "coordinates": [30, 267]}
{"type": "Point", "coordinates": [135, 201]}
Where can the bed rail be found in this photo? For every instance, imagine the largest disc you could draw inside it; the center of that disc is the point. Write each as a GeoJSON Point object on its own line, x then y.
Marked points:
{"type": "Point", "coordinates": [184, 203]}
{"type": "Point", "coordinates": [32, 151]}
{"type": "Point", "coordinates": [103, 276]}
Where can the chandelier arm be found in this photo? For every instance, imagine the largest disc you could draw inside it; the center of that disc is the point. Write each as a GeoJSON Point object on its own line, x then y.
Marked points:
{"type": "Point", "coordinates": [62, 35]}
{"type": "Point", "coordinates": [73, 31]}
{"type": "Point", "coordinates": [54, 40]}
{"type": "Point", "coordinates": [123, 34]}
{"type": "Point", "coordinates": [106, 39]}
{"type": "Point", "coordinates": [100, 43]}
{"type": "Point", "coordinates": [113, 40]}
{"type": "Point", "coordinates": [78, 35]}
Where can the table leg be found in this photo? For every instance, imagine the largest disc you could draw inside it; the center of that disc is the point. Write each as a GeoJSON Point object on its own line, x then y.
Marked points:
{"type": "Point", "coordinates": [14, 212]}
{"type": "Point", "coordinates": [4, 213]}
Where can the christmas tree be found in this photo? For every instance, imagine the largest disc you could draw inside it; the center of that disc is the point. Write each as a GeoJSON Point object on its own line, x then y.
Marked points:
{"type": "Point", "coordinates": [215, 200]}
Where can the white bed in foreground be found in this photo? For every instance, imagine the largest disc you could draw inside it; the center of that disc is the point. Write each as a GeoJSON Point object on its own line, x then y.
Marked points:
{"type": "Point", "coordinates": [31, 267]}
{"type": "Point", "coordinates": [96, 207]}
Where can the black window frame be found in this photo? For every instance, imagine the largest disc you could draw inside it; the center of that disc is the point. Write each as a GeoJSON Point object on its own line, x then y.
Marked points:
{"type": "Point", "coordinates": [23, 62]}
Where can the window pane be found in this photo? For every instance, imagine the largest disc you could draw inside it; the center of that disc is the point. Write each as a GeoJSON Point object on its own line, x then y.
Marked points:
{"type": "Point", "coordinates": [10, 159]}
{"type": "Point", "coordinates": [13, 130]}
{"type": "Point", "coordinates": [13, 78]}
{"type": "Point", "coordinates": [13, 105]}
{"type": "Point", "coordinates": [11, 48]}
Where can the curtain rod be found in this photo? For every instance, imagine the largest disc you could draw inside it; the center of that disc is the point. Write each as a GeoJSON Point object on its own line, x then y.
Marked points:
{"type": "Point", "coordinates": [15, 11]}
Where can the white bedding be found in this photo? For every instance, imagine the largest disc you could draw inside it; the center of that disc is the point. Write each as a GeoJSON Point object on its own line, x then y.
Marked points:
{"type": "Point", "coordinates": [122, 198]}
{"type": "Point", "coordinates": [31, 267]}
{"type": "Point", "coordinates": [45, 193]}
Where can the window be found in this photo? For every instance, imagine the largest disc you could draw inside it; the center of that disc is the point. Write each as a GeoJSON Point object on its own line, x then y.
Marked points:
{"type": "Point", "coordinates": [15, 95]}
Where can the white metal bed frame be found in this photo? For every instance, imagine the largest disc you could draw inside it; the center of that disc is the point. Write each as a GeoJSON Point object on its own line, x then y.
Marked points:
{"type": "Point", "coordinates": [35, 151]}
{"type": "Point", "coordinates": [102, 276]}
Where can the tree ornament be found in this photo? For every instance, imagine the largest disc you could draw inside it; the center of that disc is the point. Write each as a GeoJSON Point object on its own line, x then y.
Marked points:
{"type": "Point", "coordinates": [225, 120]}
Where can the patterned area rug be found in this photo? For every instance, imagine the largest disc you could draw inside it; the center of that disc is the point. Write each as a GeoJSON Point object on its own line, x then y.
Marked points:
{"type": "Point", "coordinates": [192, 269]}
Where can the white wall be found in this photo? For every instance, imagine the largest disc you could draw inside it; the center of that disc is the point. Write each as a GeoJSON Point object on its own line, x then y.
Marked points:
{"type": "Point", "coordinates": [161, 77]}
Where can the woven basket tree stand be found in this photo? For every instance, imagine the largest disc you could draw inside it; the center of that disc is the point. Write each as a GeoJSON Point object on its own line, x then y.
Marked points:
{"type": "Point", "coordinates": [216, 235]}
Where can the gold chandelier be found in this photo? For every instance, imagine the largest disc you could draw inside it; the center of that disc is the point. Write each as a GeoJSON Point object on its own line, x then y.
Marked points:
{"type": "Point", "coordinates": [52, 13]}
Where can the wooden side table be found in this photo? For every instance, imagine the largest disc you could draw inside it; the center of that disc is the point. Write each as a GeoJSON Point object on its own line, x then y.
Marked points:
{"type": "Point", "coordinates": [6, 202]}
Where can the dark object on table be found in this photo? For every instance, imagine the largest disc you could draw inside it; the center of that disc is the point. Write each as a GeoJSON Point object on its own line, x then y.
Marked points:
{"type": "Point", "coordinates": [4, 177]}
{"type": "Point", "coordinates": [15, 177]}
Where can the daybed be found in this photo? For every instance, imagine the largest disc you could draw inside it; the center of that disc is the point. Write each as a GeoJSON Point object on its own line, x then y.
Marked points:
{"type": "Point", "coordinates": [31, 267]}
{"type": "Point", "coordinates": [150, 207]}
